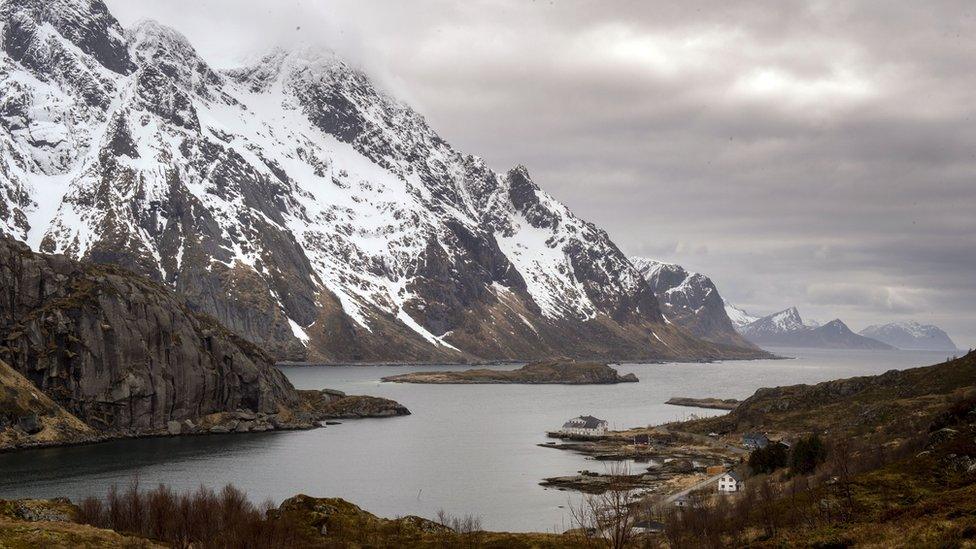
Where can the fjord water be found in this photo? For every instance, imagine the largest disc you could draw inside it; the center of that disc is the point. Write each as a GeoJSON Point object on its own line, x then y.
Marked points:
{"type": "Point", "coordinates": [465, 449]}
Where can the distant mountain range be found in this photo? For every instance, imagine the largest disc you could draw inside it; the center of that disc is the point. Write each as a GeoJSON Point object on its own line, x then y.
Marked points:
{"type": "Point", "coordinates": [912, 336]}
{"type": "Point", "coordinates": [787, 329]}
{"type": "Point", "coordinates": [690, 300]}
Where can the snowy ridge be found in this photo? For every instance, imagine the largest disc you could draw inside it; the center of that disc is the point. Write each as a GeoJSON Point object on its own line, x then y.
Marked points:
{"type": "Point", "coordinates": [690, 300]}
{"type": "Point", "coordinates": [786, 328]}
{"type": "Point", "coordinates": [911, 335]}
{"type": "Point", "coordinates": [738, 316]}
{"type": "Point", "coordinates": [301, 206]}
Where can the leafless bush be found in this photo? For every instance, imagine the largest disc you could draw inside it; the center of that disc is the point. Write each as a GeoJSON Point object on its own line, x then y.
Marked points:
{"type": "Point", "coordinates": [466, 524]}
{"type": "Point", "coordinates": [609, 516]}
{"type": "Point", "coordinates": [202, 519]}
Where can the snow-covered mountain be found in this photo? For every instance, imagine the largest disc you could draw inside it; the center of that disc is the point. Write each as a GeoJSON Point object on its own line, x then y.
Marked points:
{"type": "Point", "coordinates": [911, 335]}
{"type": "Point", "coordinates": [297, 203]}
{"type": "Point", "coordinates": [690, 300]}
{"type": "Point", "coordinates": [785, 321]}
{"type": "Point", "coordinates": [787, 329]}
{"type": "Point", "coordinates": [738, 316]}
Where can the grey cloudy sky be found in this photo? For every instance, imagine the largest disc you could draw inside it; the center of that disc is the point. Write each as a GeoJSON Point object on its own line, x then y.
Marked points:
{"type": "Point", "coordinates": [821, 154]}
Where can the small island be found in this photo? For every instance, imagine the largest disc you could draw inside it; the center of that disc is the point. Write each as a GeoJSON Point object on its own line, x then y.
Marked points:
{"type": "Point", "coordinates": [716, 403]}
{"type": "Point", "coordinates": [543, 372]}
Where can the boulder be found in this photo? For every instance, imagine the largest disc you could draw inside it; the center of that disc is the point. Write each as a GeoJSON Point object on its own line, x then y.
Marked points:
{"type": "Point", "coordinates": [30, 424]}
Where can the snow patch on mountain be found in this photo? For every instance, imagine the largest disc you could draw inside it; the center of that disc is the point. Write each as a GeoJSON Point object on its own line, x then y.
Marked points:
{"type": "Point", "coordinates": [738, 316]}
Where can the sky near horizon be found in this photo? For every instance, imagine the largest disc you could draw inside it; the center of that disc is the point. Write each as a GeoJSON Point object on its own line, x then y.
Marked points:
{"type": "Point", "coordinates": [817, 154]}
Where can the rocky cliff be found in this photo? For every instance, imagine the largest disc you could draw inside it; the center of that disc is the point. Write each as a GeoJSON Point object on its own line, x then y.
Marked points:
{"type": "Point", "coordinates": [298, 204]}
{"type": "Point", "coordinates": [691, 301]}
{"type": "Point", "coordinates": [28, 417]}
{"type": "Point", "coordinates": [122, 353]}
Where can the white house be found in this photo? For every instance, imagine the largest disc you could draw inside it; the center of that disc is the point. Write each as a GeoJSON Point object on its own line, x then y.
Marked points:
{"type": "Point", "coordinates": [730, 482]}
{"type": "Point", "coordinates": [584, 425]}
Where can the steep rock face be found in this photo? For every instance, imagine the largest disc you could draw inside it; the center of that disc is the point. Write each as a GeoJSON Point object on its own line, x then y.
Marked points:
{"type": "Point", "coordinates": [911, 336]}
{"type": "Point", "coordinates": [28, 417]}
{"type": "Point", "coordinates": [120, 352]}
{"type": "Point", "coordinates": [299, 205]}
{"type": "Point", "coordinates": [690, 300]}
{"type": "Point", "coordinates": [787, 329]}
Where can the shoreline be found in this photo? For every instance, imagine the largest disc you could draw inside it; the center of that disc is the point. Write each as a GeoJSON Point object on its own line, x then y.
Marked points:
{"type": "Point", "coordinates": [475, 364]}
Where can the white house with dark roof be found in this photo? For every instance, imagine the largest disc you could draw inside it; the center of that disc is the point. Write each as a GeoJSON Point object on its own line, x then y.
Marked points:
{"type": "Point", "coordinates": [585, 426]}
{"type": "Point", "coordinates": [730, 482]}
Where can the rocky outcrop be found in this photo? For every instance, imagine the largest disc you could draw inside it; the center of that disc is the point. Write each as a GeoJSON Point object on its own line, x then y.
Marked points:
{"type": "Point", "coordinates": [714, 403]}
{"type": "Point", "coordinates": [29, 418]}
{"type": "Point", "coordinates": [121, 353]}
{"type": "Point", "coordinates": [691, 301]}
{"type": "Point", "coordinates": [537, 373]}
{"type": "Point", "coordinates": [331, 404]}
{"type": "Point", "coordinates": [358, 407]}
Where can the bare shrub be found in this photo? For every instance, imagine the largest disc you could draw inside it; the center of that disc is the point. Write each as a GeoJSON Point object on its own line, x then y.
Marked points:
{"type": "Point", "coordinates": [202, 519]}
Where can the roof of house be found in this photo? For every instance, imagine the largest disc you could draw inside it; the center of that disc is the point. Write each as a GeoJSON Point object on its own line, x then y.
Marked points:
{"type": "Point", "coordinates": [586, 422]}
{"type": "Point", "coordinates": [735, 476]}
{"type": "Point", "coordinates": [649, 525]}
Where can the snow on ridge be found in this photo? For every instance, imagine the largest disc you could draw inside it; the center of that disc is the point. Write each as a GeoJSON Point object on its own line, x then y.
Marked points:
{"type": "Point", "coordinates": [739, 317]}
{"type": "Point", "coordinates": [363, 210]}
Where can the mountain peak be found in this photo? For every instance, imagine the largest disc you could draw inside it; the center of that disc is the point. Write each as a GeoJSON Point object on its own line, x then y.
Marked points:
{"type": "Point", "coordinates": [911, 335]}
{"type": "Point", "coordinates": [690, 300]}
{"type": "Point", "coordinates": [318, 216]}
{"type": "Point", "coordinates": [87, 25]}
{"type": "Point", "coordinates": [836, 324]}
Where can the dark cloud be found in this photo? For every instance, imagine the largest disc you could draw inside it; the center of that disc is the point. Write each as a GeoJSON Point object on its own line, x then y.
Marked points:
{"type": "Point", "coordinates": [821, 154]}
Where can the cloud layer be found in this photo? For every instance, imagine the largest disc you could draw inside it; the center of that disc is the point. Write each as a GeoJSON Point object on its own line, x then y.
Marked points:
{"type": "Point", "coordinates": [821, 154]}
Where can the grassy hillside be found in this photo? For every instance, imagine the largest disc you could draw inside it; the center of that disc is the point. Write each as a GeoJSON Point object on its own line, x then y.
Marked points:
{"type": "Point", "coordinates": [895, 403]}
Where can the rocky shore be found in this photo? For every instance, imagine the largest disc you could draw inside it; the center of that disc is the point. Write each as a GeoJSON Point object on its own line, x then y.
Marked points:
{"type": "Point", "coordinates": [672, 460]}
{"type": "Point", "coordinates": [93, 352]}
{"type": "Point", "coordinates": [714, 403]}
{"type": "Point", "coordinates": [543, 372]}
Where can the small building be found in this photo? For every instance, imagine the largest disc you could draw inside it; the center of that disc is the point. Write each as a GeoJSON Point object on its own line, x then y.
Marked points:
{"type": "Point", "coordinates": [730, 482]}
{"type": "Point", "coordinates": [681, 502]}
{"type": "Point", "coordinates": [754, 441]}
{"type": "Point", "coordinates": [647, 527]}
{"type": "Point", "coordinates": [585, 426]}
{"type": "Point", "coordinates": [714, 470]}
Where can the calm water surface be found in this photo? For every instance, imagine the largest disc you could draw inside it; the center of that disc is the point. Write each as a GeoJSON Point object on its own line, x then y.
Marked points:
{"type": "Point", "coordinates": [466, 448]}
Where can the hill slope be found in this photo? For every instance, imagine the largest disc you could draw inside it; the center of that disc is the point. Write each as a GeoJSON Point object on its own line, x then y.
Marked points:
{"type": "Point", "coordinates": [896, 401]}
{"type": "Point", "coordinates": [29, 417]}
